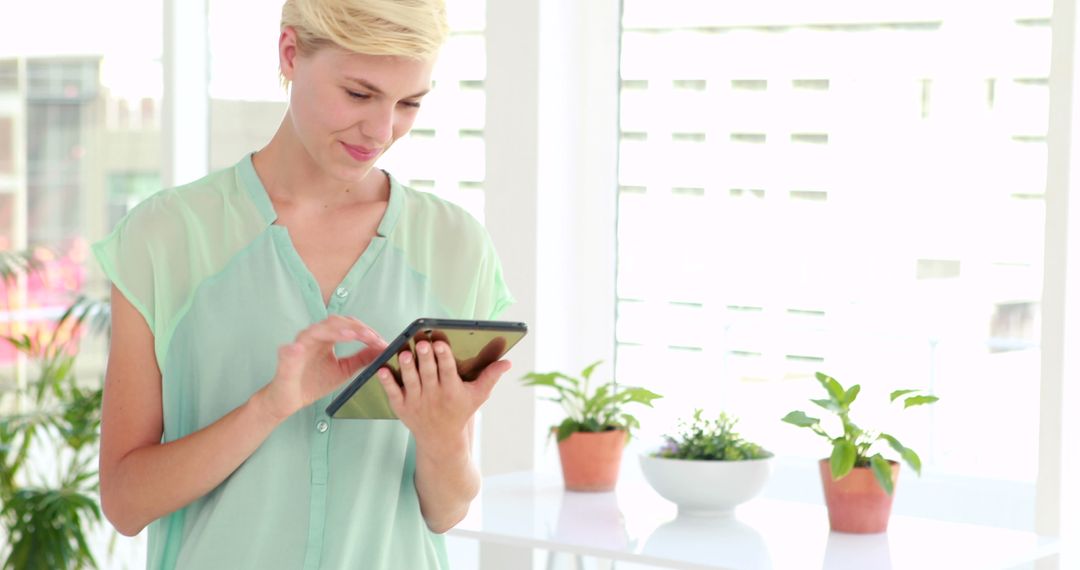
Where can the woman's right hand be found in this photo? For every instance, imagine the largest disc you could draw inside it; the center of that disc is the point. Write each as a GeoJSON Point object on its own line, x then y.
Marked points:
{"type": "Point", "coordinates": [308, 369]}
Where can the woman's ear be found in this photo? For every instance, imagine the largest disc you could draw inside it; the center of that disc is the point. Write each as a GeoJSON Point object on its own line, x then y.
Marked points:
{"type": "Point", "coordinates": [287, 52]}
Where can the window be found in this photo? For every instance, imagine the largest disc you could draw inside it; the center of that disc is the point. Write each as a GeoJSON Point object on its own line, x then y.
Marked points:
{"type": "Point", "coordinates": [79, 111]}
{"type": "Point", "coordinates": [7, 146]}
{"type": "Point", "coordinates": [840, 187]}
{"type": "Point", "coordinates": [76, 109]}
{"type": "Point", "coordinates": [444, 154]}
{"type": "Point", "coordinates": [126, 190]}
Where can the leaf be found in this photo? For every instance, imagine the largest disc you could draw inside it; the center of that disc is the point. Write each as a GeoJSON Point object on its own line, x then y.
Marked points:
{"type": "Point", "coordinates": [642, 396]}
{"type": "Point", "coordinates": [589, 369]}
{"type": "Point", "coordinates": [800, 419]}
{"type": "Point", "coordinates": [567, 428]}
{"type": "Point", "coordinates": [98, 311]}
{"type": "Point", "coordinates": [570, 379]}
{"type": "Point", "coordinates": [48, 529]}
{"type": "Point", "coordinates": [843, 458]}
{"type": "Point", "coordinates": [851, 431]}
{"type": "Point", "coordinates": [16, 263]}
{"type": "Point", "coordinates": [908, 455]}
{"type": "Point", "coordinates": [896, 394]}
{"type": "Point", "coordinates": [919, 401]}
{"type": "Point", "coordinates": [534, 379]}
{"type": "Point", "coordinates": [850, 395]}
{"type": "Point", "coordinates": [835, 390]}
{"type": "Point", "coordinates": [598, 401]}
{"type": "Point", "coordinates": [829, 405]}
{"type": "Point", "coordinates": [912, 459]}
{"type": "Point", "coordinates": [882, 472]}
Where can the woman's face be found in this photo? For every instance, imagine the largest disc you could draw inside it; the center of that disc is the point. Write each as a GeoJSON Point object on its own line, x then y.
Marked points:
{"type": "Point", "coordinates": [347, 108]}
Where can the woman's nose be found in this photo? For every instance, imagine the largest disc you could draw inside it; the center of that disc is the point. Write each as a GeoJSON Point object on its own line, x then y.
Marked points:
{"type": "Point", "coordinates": [379, 126]}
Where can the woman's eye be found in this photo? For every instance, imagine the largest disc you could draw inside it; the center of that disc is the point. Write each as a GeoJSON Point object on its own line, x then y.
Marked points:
{"type": "Point", "coordinates": [356, 95]}
{"type": "Point", "coordinates": [413, 104]}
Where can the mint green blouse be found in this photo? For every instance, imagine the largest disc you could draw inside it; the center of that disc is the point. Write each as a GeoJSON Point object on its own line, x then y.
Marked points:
{"type": "Point", "coordinates": [222, 287]}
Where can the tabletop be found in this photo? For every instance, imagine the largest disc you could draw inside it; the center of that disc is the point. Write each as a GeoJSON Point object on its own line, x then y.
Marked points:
{"type": "Point", "coordinates": [635, 524]}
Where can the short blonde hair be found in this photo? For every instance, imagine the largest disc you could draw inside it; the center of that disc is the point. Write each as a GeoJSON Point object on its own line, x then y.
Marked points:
{"type": "Point", "coordinates": [409, 28]}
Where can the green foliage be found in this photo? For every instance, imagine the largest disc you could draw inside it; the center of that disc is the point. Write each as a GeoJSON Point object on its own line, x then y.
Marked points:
{"type": "Point", "coordinates": [14, 264]}
{"type": "Point", "coordinates": [86, 312]}
{"type": "Point", "coordinates": [597, 410]}
{"type": "Point", "coordinates": [46, 529]}
{"type": "Point", "coordinates": [710, 439]}
{"type": "Point", "coordinates": [47, 515]}
{"type": "Point", "coordinates": [853, 448]}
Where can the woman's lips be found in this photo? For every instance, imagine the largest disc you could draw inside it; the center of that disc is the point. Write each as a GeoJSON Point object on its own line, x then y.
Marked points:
{"type": "Point", "coordinates": [360, 153]}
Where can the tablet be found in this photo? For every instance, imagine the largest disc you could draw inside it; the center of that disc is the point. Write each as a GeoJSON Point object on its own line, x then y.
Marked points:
{"type": "Point", "coordinates": [475, 345]}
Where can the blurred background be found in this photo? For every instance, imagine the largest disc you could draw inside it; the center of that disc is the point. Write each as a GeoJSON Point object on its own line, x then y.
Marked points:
{"type": "Point", "coordinates": [852, 187]}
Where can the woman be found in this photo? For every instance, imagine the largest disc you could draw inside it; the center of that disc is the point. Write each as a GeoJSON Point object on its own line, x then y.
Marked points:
{"type": "Point", "coordinates": [233, 296]}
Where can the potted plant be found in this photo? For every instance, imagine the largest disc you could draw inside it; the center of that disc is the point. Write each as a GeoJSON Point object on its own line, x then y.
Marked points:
{"type": "Point", "coordinates": [707, 469]}
{"type": "Point", "coordinates": [596, 428]}
{"type": "Point", "coordinates": [48, 507]}
{"type": "Point", "coordinates": [858, 482]}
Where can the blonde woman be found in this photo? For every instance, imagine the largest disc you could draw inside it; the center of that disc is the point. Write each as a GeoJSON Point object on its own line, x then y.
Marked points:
{"type": "Point", "coordinates": [243, 301]}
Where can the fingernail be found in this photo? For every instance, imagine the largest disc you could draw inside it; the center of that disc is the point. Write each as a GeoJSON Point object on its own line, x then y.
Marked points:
{"type": "Point", "coordinates": [422, 348]}
{"type": "Point", "coordinates": [439, 348]}
{"type": "Point", "coordinates": [405, 358]}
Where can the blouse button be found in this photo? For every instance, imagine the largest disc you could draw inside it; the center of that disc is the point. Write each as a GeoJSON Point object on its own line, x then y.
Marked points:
{"type": "Point", "coordinates": [322, 426]}
{"type": "Point", "coordinates": [342, 292]}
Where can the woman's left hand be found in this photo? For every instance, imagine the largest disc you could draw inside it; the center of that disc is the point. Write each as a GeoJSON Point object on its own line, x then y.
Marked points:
{"type": "Point", "coordinates": [435, 403]}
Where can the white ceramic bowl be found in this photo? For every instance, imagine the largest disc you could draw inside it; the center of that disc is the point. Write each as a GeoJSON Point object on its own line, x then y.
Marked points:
{"type": "Point", "coordinates": [706, 488]}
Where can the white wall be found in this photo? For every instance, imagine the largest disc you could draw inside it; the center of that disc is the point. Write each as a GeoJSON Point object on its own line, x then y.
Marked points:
{"type": "Point", "coordinates": [552, 93]}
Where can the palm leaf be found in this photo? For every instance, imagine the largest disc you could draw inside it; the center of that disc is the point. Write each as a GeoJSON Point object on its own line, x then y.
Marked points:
{"type": "Point", "coordinates": [14, 264]}
{"type": "Point", "coordinates": [85, 310]}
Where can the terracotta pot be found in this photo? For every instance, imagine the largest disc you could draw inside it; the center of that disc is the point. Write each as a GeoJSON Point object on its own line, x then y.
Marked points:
{"type": "Point", "coordinates": [590, 461]}
{"type": "Point", "coordinates": [856, 502]}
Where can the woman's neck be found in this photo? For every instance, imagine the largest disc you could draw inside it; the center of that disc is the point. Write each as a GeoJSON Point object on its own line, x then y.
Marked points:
{"type": "Point", "coordinates": [293, 178]}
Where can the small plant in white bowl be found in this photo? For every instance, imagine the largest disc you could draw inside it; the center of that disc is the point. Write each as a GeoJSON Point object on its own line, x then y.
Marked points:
{"type": "Point", "coordinates": [707, 469]}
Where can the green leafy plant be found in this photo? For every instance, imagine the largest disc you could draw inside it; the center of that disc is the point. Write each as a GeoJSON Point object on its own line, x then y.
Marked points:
{"type": "Point", "coordinates": [591, 410]}
{"type": "Point", "coordinates": [47, 505]}
{"type": "Point", "coordinates": [47, 509]}
{"type": "Point", "coordinates": [710, 439]}
{"type": "Point", "coordinates": [853, 447]}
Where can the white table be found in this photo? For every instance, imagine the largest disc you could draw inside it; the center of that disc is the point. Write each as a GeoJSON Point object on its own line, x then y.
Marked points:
{"type": "Point", "coordinates": [635, 524]}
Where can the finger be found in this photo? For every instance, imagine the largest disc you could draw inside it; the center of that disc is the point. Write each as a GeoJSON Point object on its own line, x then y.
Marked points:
{"type": "Point", "coordinates": [345, 321]}
{"type": "Point", "coordinates": [409, 376]}
{"type": "Point", "coordinates": [337, 328]}
{"type": "Point", "coordinates": [365, 333]}
{"type": "Point", "coordinates": [394, 394]}
{"type": "Point", "coordinates": [486, 381]}
{"type": "Point", "coordinates": [448, 374]}
{"type": "Point", "coordinates": [425, 359]}
{"type": "Point", "coordinates": [290, 360]}
{"type": "Point", "coordinates": [353, 320]}
{"type": "Point", "coordinates": [323, 335]}
{"type": "Point", "coordinates": [358, 360]}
